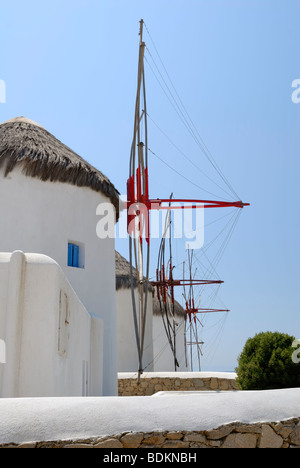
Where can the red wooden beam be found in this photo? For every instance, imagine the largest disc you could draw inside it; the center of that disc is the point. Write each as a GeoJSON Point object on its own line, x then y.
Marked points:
{"type": "Point", "coordinates": [181, 282]}
{"type": "Point", "coordinates": [203, 203]}
{"type": "Point", "coordinates": [204, 311]}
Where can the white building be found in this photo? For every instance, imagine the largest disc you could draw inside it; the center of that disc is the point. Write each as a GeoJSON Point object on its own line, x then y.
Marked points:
{"type": "Point", "coordinates": [166, 330]}
{"type": "Point", "coordinates": [48, 201]}
{"type": "Point", "coordinates": [158, 354]}
{"type": "Point", "coordinates": [126, 339]}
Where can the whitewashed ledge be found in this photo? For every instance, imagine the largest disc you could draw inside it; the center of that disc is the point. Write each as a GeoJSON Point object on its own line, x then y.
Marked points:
{"type": "Point", "coordinates": [179, 375]}
{"type": "Point", "coordinates": [47, 419]}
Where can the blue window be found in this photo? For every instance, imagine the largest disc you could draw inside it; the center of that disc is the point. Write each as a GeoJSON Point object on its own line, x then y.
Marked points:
{"type": "Point", "coordinates": [73, 255]}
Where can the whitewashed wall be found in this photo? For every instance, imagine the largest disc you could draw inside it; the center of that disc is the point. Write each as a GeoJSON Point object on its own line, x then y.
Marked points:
{"type": "Point", "coordinates": [126, 340]}
{"type": "Point", "coordinates": [53, 346]}
{"type": "Point", "coordinates": [42, 217]}
{"type": "Point", "coordinates": [164, 360]}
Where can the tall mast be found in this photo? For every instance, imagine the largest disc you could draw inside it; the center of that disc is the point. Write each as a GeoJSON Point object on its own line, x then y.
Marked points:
{"type": "Point", "coordinates": [138, 169]}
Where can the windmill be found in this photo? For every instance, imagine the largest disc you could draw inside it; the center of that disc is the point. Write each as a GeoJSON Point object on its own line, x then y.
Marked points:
{"type": "Point", "coordinates": [139, 204]}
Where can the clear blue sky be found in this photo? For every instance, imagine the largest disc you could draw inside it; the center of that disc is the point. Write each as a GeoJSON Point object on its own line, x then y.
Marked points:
{"type": "Point", "coordinates": [72, 66]}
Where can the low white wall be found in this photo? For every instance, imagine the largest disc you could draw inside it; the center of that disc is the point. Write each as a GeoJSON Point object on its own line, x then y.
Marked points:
{"type": "Point", "coordinates": [48, 419]}
{"type": "Point", "coordinates": [53, 346]}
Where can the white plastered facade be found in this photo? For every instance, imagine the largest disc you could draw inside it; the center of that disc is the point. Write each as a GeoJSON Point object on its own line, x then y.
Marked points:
{"type": "Point", "coordinates": [126, 339]}
{"type": "Point", "coordinates": [42, 218]}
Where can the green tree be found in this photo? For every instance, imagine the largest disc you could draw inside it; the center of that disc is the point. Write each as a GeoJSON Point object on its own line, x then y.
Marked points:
{"type": "Point", "coordinates": [266, 363]}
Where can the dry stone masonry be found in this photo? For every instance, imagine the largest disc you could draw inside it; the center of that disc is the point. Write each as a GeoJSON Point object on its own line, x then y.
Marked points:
{"type": "Point", "coordinates": [284, 434]}
{"type": "Point", "coordinates": [150, 385]}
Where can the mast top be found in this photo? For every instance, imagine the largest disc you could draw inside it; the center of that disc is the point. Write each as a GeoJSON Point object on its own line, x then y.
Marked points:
{"type": "Point", "coordinates": [141, 31]}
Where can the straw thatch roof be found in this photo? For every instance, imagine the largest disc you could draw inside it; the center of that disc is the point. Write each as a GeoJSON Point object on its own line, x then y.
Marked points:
{"type": "Point", "coordinates": [178, 309]}
{"type": "Point", "coordinates": [123, 281]}
{"type": "Point", "coordinates": [27, 144]}
{"type": "Point", "coordinates": [123, 277]}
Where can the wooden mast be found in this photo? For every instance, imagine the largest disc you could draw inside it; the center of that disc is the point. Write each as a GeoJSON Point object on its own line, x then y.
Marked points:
{"type": "Point", "coordinates": [138, 167]}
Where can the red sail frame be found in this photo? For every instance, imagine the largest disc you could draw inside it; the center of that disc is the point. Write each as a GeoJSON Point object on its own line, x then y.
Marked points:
{"type": "Point", "coordinates": [136, 197]}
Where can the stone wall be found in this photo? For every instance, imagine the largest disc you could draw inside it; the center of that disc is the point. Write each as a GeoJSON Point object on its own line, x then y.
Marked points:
{"type": "Point", "coordinates": [285, 434]}
{"type": "Point", "coordinates": [152, 384]}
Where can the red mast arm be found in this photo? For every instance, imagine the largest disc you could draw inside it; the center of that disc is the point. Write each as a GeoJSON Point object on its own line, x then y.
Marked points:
{"type": "Point", "coordinates": [142, 196]}
{"type": "Point", "coordinates": [204, 203]}
{"type": "Point", "coordinates": [169, 283]}
{"type": "Point", "coordinates": [204, 311]}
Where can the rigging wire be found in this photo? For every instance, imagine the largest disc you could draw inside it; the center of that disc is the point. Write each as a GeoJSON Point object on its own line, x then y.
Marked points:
{"type": "Point", "coordinates": [188, 123]}
{"type": "Point", "coordinates": [185, 117]}
{"type": "Point", "coordinates": [178, 173]}
{"type": "Point", "coordinates": [188, 159]}
{"type": "Point", "coordinates": [203, 252]}
{"type": "Point", "coordinates": [167, 309]}
{"type": "Point", "coordinates": [212, 270]}
{"type": "Point", "coordinates": [161, 350]}
{"type": "Point", "coordinates": [210, 349]}
{"type": "Point", "coordinates": [232, 223]}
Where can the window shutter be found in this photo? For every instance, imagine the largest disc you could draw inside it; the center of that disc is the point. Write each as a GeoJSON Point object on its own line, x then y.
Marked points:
{"type": "Point", "coordinates": [75, 256]}
{"type": "Point", "coordinates": [70, 255]}
{"type": "Point", "coordinates": [74, 252]}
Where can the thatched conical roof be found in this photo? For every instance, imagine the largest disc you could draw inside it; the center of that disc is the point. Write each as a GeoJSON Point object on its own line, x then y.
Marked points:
{"type": "Point", "coordinates": [157, 310]}
{"type": "Point", "coordinates": [27, 144]}
{"type": "Point", "coordinates": [123, 281]}
{"type": "Point", "coordinates": [123, 277]}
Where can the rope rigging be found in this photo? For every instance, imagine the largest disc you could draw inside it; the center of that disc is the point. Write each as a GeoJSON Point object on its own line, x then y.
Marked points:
{"type": "Point", "coordinates": [187, 158]}
{"type": "Point", "coordinates": [184, 116]}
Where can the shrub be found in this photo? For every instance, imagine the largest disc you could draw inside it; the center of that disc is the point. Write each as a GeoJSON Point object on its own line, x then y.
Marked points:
{"type": "Point", "coordinates": [266, 363]}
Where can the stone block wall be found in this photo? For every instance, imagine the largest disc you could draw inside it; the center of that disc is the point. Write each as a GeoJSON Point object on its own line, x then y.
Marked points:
{"type": "Point", "coordinates": [284, 434]}
{"type": "Point", "coordinates": [129, 386]}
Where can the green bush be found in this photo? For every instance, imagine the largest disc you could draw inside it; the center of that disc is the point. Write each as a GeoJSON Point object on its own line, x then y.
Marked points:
{"type": "Point", "coordinates": [266, 363]}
